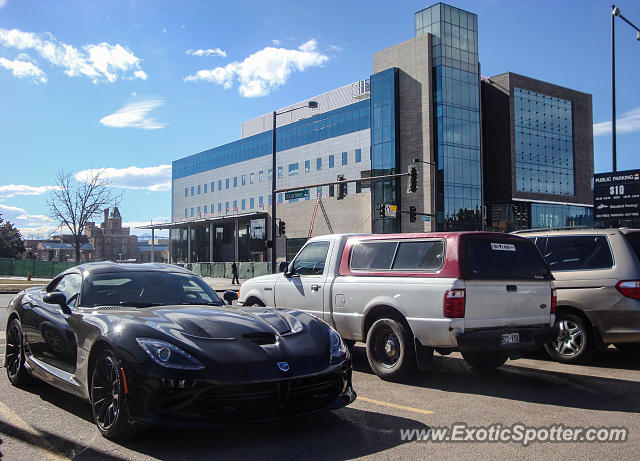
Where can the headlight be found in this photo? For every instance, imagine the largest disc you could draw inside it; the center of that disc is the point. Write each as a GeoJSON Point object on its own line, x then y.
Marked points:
{"type": "Point", "coordinates": [168, 355]}
{"type": "Point", "coordinates": [337, 346]}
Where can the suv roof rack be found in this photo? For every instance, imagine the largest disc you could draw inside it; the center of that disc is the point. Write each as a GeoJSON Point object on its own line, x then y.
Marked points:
{"type": "Point", "coordinates": [547, 229]}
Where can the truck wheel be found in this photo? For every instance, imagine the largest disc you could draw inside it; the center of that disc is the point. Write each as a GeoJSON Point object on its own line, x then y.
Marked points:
{"type": "Point", "coordinates": [575, 342]}
{"type": "Point", "coordinates": [252, 302]}
{"type": "Point", "coordinates": [485, 360]}
{"type": "Point", "coordinates": [390, 350]}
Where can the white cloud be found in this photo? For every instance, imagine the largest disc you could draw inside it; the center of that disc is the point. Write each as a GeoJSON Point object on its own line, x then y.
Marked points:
{"type": "Point", "coordinates": [135, 115]}
{"type": "Point", "coordinates": [11, 190]}
{"type": "Point", "coordinates": [3, 3]}
{"type": "Point", "coordinates": [264, 70]}
{"type": "Point", "coordinates": [99, 62]}
{"type": "Point", "coordinates": [335, 47]}
{"type": "Point", "coordinates": [24, 69]}
{"type": "Point", "coordinates": [30, 225]}
{"type": "Point", "coordinates": [628, 123]}
{"type": "Point", "coordinates": [208, 52]}
{"type": "Point", "coordinates": [153, 178]}
{"type": "Point", "coordinates": [276, 42]}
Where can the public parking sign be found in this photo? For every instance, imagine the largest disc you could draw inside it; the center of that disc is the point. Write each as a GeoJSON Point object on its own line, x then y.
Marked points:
{"type": "Point", "coordinates": [616, 195]}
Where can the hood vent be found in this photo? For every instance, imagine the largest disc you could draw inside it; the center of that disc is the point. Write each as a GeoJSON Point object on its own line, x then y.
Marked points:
{"type": "Point", "coordinates": [261, 338]}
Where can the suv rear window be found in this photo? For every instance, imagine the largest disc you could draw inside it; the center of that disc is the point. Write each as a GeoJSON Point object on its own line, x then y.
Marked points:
{"type": "Point", "coordinates": [503, 259]}
{"type": "Point", "coordinates": [578, 252]}
{"type": "Point", "coordinates": [634, 240]}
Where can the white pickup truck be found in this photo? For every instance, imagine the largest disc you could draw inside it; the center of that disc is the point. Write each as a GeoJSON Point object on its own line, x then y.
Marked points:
{"type": "Point", "coordinates": [488, 295]}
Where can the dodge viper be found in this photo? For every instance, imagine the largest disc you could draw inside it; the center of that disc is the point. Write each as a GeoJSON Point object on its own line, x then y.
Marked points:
{"type": "Point", "coordinates": [153, 344]}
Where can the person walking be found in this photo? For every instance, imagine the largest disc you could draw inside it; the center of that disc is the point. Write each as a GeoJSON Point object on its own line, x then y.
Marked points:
{"type": "Point", "coordinates": [234, 271]}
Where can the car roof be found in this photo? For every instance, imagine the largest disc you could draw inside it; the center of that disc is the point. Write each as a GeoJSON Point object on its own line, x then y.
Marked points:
{"type": "Point", "coordinates": [105, 267]}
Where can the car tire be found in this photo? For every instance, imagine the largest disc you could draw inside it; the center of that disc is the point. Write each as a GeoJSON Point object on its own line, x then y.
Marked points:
{"type": "Point", "coordinates": [390, 350]}
{"type": "Point", "coordinates": [628, 348]}
{"type": "Point", "coordinates": [575, 341]}
{"type": "Point", "coordinates": [18, 375]}
{"type": "Point", "coordinates": [107, 397]}
{"type": "Point", "coordinates": [485, 360]}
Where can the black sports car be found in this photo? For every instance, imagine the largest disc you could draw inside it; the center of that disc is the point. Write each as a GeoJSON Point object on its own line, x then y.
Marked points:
{"type": "Point", "coordinates": [153, 344]}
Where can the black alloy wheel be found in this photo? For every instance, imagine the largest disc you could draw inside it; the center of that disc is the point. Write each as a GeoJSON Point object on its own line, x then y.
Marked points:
{"type": "Point", "coordinates": [14, 354]}
{"type": "Point", "coordinates": [107, 396]}
{"type": "Point", "coordinates": [390, 350]}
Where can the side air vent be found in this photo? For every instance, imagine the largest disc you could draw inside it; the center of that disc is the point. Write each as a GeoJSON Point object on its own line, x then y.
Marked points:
{"type": "Point", "coordinates": [261, 338]}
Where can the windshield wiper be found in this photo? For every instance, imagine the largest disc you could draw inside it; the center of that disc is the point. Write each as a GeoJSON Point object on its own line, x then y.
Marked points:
{"type": "Point", "coordinates": [138, 304]}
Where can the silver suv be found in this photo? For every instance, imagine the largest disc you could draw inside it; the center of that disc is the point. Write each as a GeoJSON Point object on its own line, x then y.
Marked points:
{"type": "Point", "coordinates": [597, 274]}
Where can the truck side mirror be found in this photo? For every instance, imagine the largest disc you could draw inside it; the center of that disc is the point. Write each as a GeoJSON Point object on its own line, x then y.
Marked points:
{"type": "Point", "coordinates": [283, 266]}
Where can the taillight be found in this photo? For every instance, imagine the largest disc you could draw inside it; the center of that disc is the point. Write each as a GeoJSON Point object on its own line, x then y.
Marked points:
{"type": "Point", "coordinates": [629, 288]}
{"type": "Point", "coordinates": [453, 305]}
{"type": "Point", "coordinates": [554, 301]}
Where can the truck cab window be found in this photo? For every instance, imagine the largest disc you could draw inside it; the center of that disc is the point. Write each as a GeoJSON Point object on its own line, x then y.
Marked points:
{"type": "Point", "coordinates": [311, 259]}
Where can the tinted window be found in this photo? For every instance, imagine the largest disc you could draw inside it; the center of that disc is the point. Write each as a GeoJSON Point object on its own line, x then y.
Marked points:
{"type": "Point", "coordinates": [634, 241]}
{"type": "Point", "coordinates": [420, 255]}
{"type": "Point", "coordinates": [139, 288]}
{"type": "Point", "coordinates": [504, 259]}
{"type": "Point", "coordinates": [373, 255]}
{"type": "Point", "coordinates": [311, 259]}
{"type": "Point", "coordinates": [70, 286]}
{"type": "Point", "coordinates": [578, 252]}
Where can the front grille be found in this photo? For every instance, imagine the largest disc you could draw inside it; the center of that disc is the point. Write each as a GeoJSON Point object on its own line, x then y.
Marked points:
{"type": "Point", "coordinates": [200, 400]}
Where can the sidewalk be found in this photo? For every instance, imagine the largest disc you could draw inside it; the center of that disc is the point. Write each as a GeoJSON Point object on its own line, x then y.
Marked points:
{"type": "Point", "coordinates": [219, 284]}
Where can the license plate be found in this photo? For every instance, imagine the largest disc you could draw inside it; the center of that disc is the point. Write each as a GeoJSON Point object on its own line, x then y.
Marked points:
{"type": "Point", "coordinates": [510, 338]}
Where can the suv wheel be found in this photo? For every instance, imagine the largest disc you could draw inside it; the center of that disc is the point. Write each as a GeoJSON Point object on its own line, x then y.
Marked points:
{"type": "Point", "coordinates": [390, 350]}
{"type": "Point", "coordinates": [485, 361]}
{"type": "Point", "coordinates": [575, 343]}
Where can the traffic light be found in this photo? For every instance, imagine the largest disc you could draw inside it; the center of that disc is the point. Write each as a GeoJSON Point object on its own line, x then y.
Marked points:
{"type": "Point", "coordinates": [381, 212]}
{"type": "Point", "coordinates": [412, 214]}
{"type": "Point", "coordinates": [282, 227]}
{"type": "Point", "coordinates": [342, 188]}
{"type": "Point", "coordinates": [413, 179]}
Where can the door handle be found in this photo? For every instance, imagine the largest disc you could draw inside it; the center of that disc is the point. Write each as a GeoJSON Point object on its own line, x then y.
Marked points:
{"type": "Point", "coordinates": [315, 287]}
{"type": "Point", "coordinates": [512, 288]}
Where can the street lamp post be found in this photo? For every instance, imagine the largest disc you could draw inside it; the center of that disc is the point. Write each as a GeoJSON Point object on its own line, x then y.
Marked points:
{"type": "Point", "coordinates": [310, 105]}
{"type": "Point", "coordinates": [615, 12]}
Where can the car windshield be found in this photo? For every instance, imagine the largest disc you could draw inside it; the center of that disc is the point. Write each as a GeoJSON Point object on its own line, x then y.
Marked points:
{"type": "Point", "coordinates": [144, 289]}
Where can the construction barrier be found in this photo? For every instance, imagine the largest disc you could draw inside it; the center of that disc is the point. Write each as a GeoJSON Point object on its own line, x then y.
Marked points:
{"type": "Point", "coordinates": [20, 268]}
{"type": "Point", "coordinates": [222, 270]}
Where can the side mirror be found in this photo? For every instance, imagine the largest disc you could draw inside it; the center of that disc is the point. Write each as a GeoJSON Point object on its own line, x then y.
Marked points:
{"type": "Point", "coordinates": [283, 266]}
{"type": "Point", "coordinates": [59, 298]}
{"type": "Point", "coordinates": [230, 296]}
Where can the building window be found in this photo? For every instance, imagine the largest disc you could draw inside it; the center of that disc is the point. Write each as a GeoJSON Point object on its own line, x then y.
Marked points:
{"type": "Point", "coordinates": [244, 180]}
{"type": "Point", "coordinates": [192, 212]}
{"type": "Point", "coordinates": [358, 155]}
{"type": "Point", "coordinates": [307, 166]}
{"type": "Point", "coordinates": [319, 191]}
{"type": "Point", "coordinates": [252, 177]}
{"type": "Point", "coordinates": [198, 189]}
{"type": "Point", "coordinates": [212, 183]}
{"type": "Point", "coordinates": [235, 181]}
{"type": "Point", "coordinates": [280, 197]}
{"type": "Point", "coordinates": [344, 158]}
{"type": "Point", "coordinates": [319, 163]}
{"type": "Point", "coordinates": [261, 201]}
{"type": "Point", "coordinates": [279, 172]}
{"type": "Point", "coordinates": [270, 174]}
{"type": "Point", "coordinates": [331, 161]}
{"type": "Point", "coordinates": [260, 175]}
{"type": "Point", "coordinates": [186, 192]}
{"type": "Point", "coordinates": [205, 187]}
{"type": "Point", "coordinates": [226, 183]}
{"type": "Point", "coordinates": [220, 207]}
{"type": "Point", "coordinates": [235, 206]}
{"type": "Point", "coordinates": [198, 211]}
{"type": "Point", "coordinates": [192, 189]}
{"type": "Point", "coordinates": [243, 204]}
{"type": "Point", "coordinates": [213, 208]}
{"type": "Point", "coordinates": [331, 190]}
{"type": "Point", "coordinates": [358, 187]}
{"type": "Point", "coordinates": [226, 207]}
{"type": "Point", "coordinates": [219, 184]}
{"type": "Point", "coordinates": [185, 213]}
{"type": "Point", "coordinates": [251, 203]}
{"type": "Point", "coordinates": [293, 169]}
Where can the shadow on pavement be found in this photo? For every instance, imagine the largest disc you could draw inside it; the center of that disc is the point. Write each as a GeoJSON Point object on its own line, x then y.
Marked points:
{"type": "Point", "coordinates": [559, 388]}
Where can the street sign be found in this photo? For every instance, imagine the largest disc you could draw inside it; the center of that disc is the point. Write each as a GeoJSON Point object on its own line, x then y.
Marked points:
{"type": "Point", "coordinates": [390, 210]}
{"type": "Point", "coordinates": [294, 194]}
{"type": "Point", "coordinates": [616, 195]}
{"type": "Point", "coordinates": [426, 218]}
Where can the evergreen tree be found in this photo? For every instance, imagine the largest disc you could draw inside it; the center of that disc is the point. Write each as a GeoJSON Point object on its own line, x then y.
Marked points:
{"type": "Point", "coordinates": [11, 242]}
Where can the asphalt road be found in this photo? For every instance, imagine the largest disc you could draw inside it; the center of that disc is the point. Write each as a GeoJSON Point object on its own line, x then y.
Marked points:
{"type": "Point", "coordinates": [44, 423]}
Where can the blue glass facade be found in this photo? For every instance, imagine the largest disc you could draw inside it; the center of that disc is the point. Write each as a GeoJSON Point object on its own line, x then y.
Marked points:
{"type": "Point", "coordinates": [545, 215]}
{"type": "Point", "coordinates": [384, 147]}
{"type": "Point", "coordinates": [348, 119]}
{"type": "Point", "coordinates": [457, 114]}
{"type": "Point", "coordinates": [544, 143]}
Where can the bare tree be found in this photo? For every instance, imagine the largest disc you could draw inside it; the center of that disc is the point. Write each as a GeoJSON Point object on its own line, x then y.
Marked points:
{"type": "Point", "coordinates": [74, 202]}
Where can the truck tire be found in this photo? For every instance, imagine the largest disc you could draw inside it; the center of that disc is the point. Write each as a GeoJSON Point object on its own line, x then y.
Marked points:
{"type": "Point", "coordinates": [390, 350]}
{"type": "Point", "coordinates": [253, 302]}
{"type": "Point", "coordinates": [485, 360]}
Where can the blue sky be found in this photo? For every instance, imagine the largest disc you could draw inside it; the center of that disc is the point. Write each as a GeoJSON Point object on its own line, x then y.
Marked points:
{"type": "Point", "coordinates": [132, 85]}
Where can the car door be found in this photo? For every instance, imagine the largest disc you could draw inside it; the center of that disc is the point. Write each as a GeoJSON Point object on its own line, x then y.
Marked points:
{"type": "Point", "coordinates": [304, 284]}
{"type": "Point", "coordinates": [51, 339]}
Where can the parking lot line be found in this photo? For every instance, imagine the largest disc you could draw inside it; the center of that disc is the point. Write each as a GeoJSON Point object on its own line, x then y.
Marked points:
{"type": "Point", "coordinates": [34, 436]}
{"type": "Point", "coordinates": [394, 405]}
